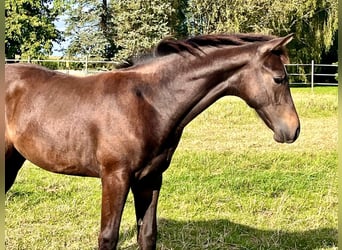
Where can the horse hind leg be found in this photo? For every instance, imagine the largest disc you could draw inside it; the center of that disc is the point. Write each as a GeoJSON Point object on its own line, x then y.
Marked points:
{"type": "Point", "coordinates": [13, 162]}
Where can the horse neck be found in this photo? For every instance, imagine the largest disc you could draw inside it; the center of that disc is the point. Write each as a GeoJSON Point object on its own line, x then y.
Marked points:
{"type": "Point", "coordinates": [194, 83]}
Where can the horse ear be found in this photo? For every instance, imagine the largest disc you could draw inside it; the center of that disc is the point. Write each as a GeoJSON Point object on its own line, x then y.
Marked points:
{"type": "Point", "coordinates": [275, 44]}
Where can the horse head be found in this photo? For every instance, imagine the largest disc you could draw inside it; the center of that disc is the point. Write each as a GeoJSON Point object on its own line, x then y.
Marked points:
{"type": "Point", "coordinates": [266, 89]}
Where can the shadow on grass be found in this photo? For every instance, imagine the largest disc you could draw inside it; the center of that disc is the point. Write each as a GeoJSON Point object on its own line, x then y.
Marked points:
{"type": "Point", "coordinates": [223, 234]}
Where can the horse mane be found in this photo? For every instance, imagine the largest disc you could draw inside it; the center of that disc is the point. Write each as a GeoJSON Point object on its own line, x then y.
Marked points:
{"type": "Point", "coordinates": [195, 45]}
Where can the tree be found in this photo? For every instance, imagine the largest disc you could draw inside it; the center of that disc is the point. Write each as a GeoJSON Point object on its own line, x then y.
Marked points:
{"type": "Point", "coordinates": [215, 16]}
{"type": "Point", "coordinates": [30, 28]}
{"type": "Point", "coordinates": [140, 25]}
{"type": "Point", "coordinates": [314, 22]}
{"type": "Point", "coordinates": [123, 28]}
{"type": "Point", "coordinates": [178, 19]}
{"type": "Point", "coordinates": [106, 25]}
{"type": "Point", "coordinates": [90, 28]}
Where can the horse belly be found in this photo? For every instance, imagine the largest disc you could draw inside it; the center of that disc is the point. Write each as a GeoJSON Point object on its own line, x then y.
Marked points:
{"type": "Point", "coordinates": [59, 152]}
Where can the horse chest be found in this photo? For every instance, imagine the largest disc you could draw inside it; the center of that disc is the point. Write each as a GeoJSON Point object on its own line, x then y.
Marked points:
{"type": "Point", "coordinates": [156, 164]}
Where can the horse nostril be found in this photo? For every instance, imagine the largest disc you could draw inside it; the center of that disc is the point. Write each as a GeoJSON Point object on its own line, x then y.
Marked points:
{"type": "Point", "coordinates": [297, 133]}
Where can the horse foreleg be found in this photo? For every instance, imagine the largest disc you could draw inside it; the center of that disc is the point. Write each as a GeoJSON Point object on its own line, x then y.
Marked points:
{"type": "Point", "coordinates": [115, 187]}
{"type": "Point", "coordinates": [146, 193]}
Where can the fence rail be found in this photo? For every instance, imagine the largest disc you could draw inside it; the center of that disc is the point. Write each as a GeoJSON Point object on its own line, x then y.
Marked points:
{"type": "Point", "coordinates": [309, 74]}
{"type": "Point", "coordinates": [78, 67]}
{"type": "Point", "coordinates": [313, 74]}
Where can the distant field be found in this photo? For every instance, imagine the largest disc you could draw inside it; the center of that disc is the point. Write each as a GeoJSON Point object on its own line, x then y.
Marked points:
{"type": "Point", "coordinates": [230, 186]}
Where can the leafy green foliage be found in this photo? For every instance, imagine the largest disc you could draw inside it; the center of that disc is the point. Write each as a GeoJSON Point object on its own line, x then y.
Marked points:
{"type": "Point", "coordinates": [140, 24]}
{"type": "Point", "coordinates": [315, 25]}
{"type": "Point", "coordinates": [123, 28]}
{"type": "Point", "coordinates": [30, 28]}
{"type": "Point", "coordinates": [119, 29]}
{"type": "Point", "coordinates": [313, 22]}
{"type": "Point", "coordinates": [89, 27]}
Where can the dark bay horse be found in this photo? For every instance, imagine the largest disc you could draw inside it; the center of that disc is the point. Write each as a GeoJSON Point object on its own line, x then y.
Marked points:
{"type": "Point", "coordinates": [124, 126]}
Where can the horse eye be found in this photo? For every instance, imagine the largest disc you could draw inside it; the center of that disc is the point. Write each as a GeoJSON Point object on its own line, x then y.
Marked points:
{"type": "Point", "coordinates": [279, 79]}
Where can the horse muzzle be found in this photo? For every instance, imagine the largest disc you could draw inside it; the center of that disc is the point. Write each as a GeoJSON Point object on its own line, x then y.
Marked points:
{"type": "Point", "coordinates": [286, 136]}
{"type": "Point", "coordinates": [286, 128]}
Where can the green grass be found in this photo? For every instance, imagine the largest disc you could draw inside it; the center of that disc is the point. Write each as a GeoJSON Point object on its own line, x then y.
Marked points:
{"type": "Point", "coordinates": [230, 186]}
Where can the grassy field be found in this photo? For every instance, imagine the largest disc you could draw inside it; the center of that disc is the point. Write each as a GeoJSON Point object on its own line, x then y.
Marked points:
{"type": "Point", "coordinates": [230, 186]}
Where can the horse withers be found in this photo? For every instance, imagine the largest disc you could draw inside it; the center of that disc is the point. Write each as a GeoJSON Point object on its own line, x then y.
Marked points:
{"type": "Point", "coordinates": [124, 126]}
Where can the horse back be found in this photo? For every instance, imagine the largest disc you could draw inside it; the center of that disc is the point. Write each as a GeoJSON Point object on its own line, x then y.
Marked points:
{"type": "Point", "coordinates": [20, 72]}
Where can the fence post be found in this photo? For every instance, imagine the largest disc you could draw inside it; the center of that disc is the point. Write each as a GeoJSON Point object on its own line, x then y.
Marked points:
{"type": "Point", "coordinates": [312, 74]}
{"type": "Point", "coordinates": [67, 64]}
{"type": "Point", "coordinates": [86, 65]}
